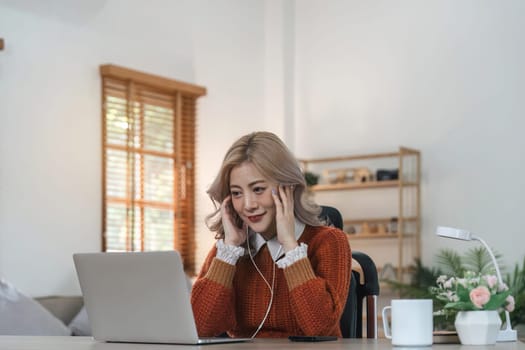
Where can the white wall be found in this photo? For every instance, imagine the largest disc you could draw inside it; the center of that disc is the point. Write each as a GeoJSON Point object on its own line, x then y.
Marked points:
{"type": "Point", "coordinates": [330, 77]}
{"type": "Point", "coordinates": [50, 140]}
{"type": "Point", "coordinates": [229, 49]}
{"type": "Point", "coordinates": [446, 77]}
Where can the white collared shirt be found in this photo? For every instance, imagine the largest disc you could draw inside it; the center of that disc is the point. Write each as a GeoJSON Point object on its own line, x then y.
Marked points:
{"type": "Point", "coordinates": [230, 254]}
{"type": "Point", "coordinates": [257, 241]}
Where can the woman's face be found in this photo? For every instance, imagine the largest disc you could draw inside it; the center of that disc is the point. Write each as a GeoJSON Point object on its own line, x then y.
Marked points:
{"type": "Point", "coordinates": [252, 198]}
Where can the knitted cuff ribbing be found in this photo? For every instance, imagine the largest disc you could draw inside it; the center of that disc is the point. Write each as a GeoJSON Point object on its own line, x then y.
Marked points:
{"type": "Point", "coordinates": [298, 273]}
{"type": "Point", "coordinates": [221, 272]}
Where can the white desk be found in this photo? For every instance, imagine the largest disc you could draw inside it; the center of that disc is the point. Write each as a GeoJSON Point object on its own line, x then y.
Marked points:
{"type": "Point", "coordinates": [87, 343]}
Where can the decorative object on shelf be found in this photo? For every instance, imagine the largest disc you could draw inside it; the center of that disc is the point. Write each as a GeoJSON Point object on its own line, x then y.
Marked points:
{"type": "Point", "coordinates": [392, 226]}
{"type": "Point", "coordinates": [311, 178]}
{"type": "Point", "coordinates": [362, 175]}
{"type": "Point", "coordinates": [365, 228]}
{"type": "Point", "coordinates": [338, 176]}
{"type": "Point", "coordinates": [345, 175]}
{"type": "Point", "coordinates": [477, 327]}
{"type": "Point", "coordinates": [387, 174]}
{"type": "Point", "coordinates": [388, 272]}
{"type": "Point", "coordinates": [481, 300]}
{"type": "Point", "coordinates": [381, 229]}
{"type": "Point", "coordinates": [350, 229]}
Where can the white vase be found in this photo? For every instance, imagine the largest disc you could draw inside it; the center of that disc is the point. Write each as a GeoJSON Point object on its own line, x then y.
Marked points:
{"type": "Point", "coordinates": [478, 327]}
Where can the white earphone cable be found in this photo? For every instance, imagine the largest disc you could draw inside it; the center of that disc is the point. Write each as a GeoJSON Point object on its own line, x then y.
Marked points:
{"type": "Point", "coordinates": [270, 287]}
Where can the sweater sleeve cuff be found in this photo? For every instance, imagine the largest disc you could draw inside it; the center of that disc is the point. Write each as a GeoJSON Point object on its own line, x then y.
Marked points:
{"type": "Point", "coordinates": [228, 253]}
{"type": "Point", "coordinates": [221, 272]}
{"type": "Point", "coordinates": [298, 273]}
{"type": "Point", "coordinates": [293, 256]}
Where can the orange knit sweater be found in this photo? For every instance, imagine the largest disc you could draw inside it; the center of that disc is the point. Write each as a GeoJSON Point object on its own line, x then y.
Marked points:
{"type": "Point", "coordinates": [309, 295]}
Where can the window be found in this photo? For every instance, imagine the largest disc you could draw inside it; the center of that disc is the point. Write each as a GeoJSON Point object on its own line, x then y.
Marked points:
{"type": "Point", "coordinates": [148, 142]}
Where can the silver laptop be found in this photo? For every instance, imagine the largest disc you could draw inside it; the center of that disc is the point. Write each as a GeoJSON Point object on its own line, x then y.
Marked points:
{"type": "Point", "coordinates": [139, 297]}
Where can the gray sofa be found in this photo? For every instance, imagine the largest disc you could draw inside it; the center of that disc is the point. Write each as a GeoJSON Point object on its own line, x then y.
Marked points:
{"type": "Point", "coordinates": [50, 315]}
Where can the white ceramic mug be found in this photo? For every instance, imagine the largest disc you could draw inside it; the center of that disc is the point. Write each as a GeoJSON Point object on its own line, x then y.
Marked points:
{"type": "Point", "coordinates": [412, 322]}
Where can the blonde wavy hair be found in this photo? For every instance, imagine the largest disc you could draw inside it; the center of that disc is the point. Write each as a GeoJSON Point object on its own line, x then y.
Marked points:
{"type": "Point", "coordinates": [274, 161]}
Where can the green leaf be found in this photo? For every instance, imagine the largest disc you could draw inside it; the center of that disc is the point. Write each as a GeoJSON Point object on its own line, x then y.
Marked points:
{"type": "Point", "coordinates": [451, 262]}
{"type": "Point", "coordinates": [496, 301]}
{"type": "Point", "coordinates": [516, 283]}
{"type": "Point", "coordinates": [461, 305]}
{"type": "Point", "coordinates": [478, 260]}
{"type": "Point", "coordinates": [442, 298]}
{"type": "Point", "coordinates": [463, 293]}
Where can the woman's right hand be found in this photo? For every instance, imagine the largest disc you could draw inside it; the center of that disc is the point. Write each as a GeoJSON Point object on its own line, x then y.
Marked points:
{"type": "Point", "coordinates": [233, 235]}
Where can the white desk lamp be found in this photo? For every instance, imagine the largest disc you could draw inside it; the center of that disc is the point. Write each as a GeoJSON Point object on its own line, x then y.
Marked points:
{"type": "Point", "coordinates": [507, 334]}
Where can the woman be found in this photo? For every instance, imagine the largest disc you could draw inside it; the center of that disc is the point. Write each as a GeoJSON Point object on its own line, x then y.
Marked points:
{"type": "Point", "coordinates": [263, 220]}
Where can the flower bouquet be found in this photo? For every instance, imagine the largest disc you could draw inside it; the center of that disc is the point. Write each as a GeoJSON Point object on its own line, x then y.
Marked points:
{"type": "Point", "coordinates": [472, 292]}
{"type": "Point", "coordinates": [477, 300]}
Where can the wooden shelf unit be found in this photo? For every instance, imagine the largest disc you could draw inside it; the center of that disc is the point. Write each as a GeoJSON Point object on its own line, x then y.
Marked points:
{"type": "Point", "coordinates": [361, 185]}
{"type": "Point", "coordinates": [408, 177]}
{"type": "Point", "coordinates": [353, 236]}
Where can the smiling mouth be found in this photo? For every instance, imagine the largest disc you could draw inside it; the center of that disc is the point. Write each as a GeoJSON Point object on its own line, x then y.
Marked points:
{"type": "Point", "coordinates": [255, 218]}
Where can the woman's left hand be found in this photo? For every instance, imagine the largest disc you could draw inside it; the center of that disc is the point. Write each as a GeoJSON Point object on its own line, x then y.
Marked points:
{"type": "Point", "coordinates": [284, 216]}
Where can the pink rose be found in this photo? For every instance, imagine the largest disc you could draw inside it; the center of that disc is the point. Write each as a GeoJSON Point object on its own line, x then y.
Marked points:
{"type": "Point", "coordinates": [510, 303]}
{"type": "Point", "coordinates": [479, 296]}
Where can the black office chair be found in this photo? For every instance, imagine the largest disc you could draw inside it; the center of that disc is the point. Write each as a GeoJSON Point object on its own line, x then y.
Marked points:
{"type": "Point", "coordinates": [351, 322]}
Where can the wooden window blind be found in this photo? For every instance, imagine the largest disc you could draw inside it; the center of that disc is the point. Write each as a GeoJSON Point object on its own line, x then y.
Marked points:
{"type": "Point", "coordinates": [148, 138]}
